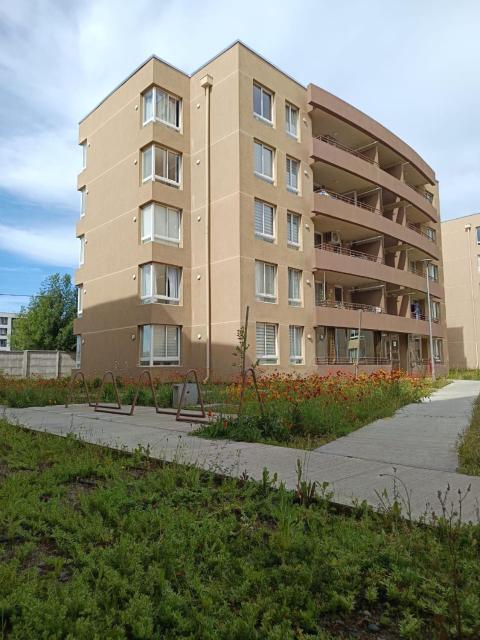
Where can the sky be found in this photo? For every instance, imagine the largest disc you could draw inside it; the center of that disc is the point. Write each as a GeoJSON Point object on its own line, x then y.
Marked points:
{"type": "Point", "coordinates": [412, 65]}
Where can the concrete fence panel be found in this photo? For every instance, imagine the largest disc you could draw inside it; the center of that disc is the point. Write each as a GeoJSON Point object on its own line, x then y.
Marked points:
{"type": "Point", "coordinates": [43, 364]}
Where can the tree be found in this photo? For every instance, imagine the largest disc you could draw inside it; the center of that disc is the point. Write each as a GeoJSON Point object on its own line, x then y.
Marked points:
{"type": "Point", "coordinates": [47, 322]}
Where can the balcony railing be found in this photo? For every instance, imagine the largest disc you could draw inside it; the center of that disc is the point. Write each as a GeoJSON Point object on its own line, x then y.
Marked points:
{"type": "Point", "coordinates": [421, 232]}
{"type": "Point", "coordinates": [369, 308]}
{"type": "Point", "coordinates": [421, 271]}
{"type": "Point", "coordinates": [423, 192]}
{"type": "Point", "coordinates": [336, 248]}
{"type": "Point", "coordinates": [339, 145]}
{"type": "Point", "coordinates": [422, 316]}
{"type": "Point", "coordinates": [352, 362]}
{"type": "Point", "coordinates": [336, 196]}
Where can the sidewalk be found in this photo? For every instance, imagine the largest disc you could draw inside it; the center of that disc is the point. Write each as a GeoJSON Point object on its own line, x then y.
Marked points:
{"type": "Point", "coordinates": [419, 441]}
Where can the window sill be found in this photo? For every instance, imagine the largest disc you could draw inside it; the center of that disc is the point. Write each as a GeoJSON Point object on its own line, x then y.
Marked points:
{"type": "Point", "coordinates": [292, 190]}
{"type": "Point", "coordinates": [262, 119]}
{"type": "Point", "coordinates": [165, 242]}
{"type": "Point", "coordinates": [150, 366]}
{"type": "Point", "coordinates": [170, 183]}
{"type": "Point", "coordinates": [267, 300]}
{"type": "Point", "coordinates": [293, 245]}
{"type": "Point", "coordinates": [260, 236]}
{"type": "Point", "coordinates": [292, 135]}
{"type": "Point", "coordinates": [263, 177]}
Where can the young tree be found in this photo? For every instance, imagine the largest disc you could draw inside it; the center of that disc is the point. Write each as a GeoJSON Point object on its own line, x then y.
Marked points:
{"type": "Point", "coordinates": [47, 322]}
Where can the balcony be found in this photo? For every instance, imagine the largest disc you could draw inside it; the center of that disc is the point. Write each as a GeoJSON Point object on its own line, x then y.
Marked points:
{"type": "Point", "coordinates": [372, 360]}
{"type": "Point", "coordinates": [330, 140]}
{"type": "Point", "coordinates": [336, 248]}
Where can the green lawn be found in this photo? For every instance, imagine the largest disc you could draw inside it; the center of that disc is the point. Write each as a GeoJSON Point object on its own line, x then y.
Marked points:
{"type": "Point", "coordinates": [96, 544]}
{"type": "Point", "coordinates": [469, 444]}
{"type": "Point", "coordinates": [464, 374]}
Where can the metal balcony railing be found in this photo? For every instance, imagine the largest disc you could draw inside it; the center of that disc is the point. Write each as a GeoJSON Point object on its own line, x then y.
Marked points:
{"type": "Point", "coordinates": [421, 316]}
{"type": "Point", "coordinates": [337, 196]}
{"type": "Point", "coordinates": [423, 192]}
{"type": "Point", "coordinates": [421, 232]}
{"type": "Point", "coordinates": [369, 308]}
{"type": "Point", "coordinates": [421, 271]}
{"type": "Point", "coordinates": [336, 248]}
{"type": "Point", "coordinates": [349, 361]}
{"type": "Point", "coordinates": [339, 145]}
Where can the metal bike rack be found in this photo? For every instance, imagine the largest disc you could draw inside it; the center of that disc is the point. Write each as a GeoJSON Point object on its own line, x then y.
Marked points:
{"type": "Point", "coordinates": [105, 408]}
{"type": "Point", "coordinates": [78, 374]}
{"type": "Point", "coordinates": [183, 417]}
{"type": "Point", "coordinates": [117, 411]}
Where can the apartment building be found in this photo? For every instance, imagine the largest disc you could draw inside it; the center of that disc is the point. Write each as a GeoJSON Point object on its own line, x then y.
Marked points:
{"type": "Point", "coordinates": [461, 256]}
{"type": "Point", "coordinates": [237, 186]}
{"type": "Point", "coordinates": [6, 325]}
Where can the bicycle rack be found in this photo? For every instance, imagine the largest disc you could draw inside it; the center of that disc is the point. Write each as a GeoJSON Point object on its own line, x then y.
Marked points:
{"type": "Point", "coordinates": [182, 417]}
{"type": "Point", "coordinates": [105, 408]}
{"type": "Point", "coordinates": [242, 391]}
{"type": "Point", "coordinates": [115, 411]}
{"type": "Point", "coordinates": [78, 374]}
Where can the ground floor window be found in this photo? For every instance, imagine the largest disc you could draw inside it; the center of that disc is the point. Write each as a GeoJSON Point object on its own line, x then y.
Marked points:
{"type": "Point", "coordinates": [78, 354]}
{"type": "Point", "coordinates": [159, 345]}
{"type": "Point", "coordinates": [266, 343]}
{"type": "Point", "coordinates": [295, 338]}
{"type": "Point", "coordinates": [438, 350]}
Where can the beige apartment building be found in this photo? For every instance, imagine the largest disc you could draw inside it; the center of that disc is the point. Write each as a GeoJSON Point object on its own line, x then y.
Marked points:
{"type": "Point", "coordinates": [461, 255]}
{"type": "Point", "coordinates": [237, 186]}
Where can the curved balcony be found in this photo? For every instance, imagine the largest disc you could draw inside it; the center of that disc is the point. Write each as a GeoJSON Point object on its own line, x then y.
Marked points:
{"type": "Point", "coordinates": [339, 207]}
{"type": "Point", "coordinates": [329, 103]}
{"type": "Point", "coordinates": [351, 161]}
{"type": "Point", "coordinates": [345, 314]}
{"type": "Point", "coordinates": [341, 260]}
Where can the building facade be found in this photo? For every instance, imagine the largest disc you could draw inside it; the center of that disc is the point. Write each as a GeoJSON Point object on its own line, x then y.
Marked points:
{"type": "Point", "coordinates": [238, 187]}
{"type": "Point", "coordinates": [461, 255]}
{"type": "Point", "coordinates": [6, 324]}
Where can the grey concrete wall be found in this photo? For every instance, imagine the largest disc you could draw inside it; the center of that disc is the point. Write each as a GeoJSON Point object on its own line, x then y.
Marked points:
{"type": "Point", "coordinates": [43, 364]}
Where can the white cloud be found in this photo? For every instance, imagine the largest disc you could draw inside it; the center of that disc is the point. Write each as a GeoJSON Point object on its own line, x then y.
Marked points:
{"type": "Point", "coordinates": [56, 246]}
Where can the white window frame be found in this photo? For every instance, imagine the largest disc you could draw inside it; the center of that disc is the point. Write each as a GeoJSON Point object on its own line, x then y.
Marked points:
{"type": "Point", "coordinates": [262, 235]}
{"type": "Point", "coordinates": [84, 154]}
{"type": "Point", "coordinates": [147, 231]}
{"type": "Point", "coordinates": [260, 174]}
{"type": "Point", "coordinates": [152, 296]}
{"type": "Point", "coordinates": [432, 270]}
{"type": "Point", "coordinates": [297, 331]}
{"type": "Point", "coordinates": [295, 302]}
{"type": "Point", "coordinates": [437, 353]}
{"type": "Point", "coordinates": [291, 216]}
{"type": "Point", "coordinates": [266, 358]}
{"type": "Point", "coordinates": [289, 163]}
{"type": "Point", "coordinates": [155, 117]}
{"type": "Point", "coordinates": [435, 310]}
{"type": "Point", "coordinates": [261, 116]}
{"type": "Point", "coordinates": [291, 130]}
{"type": "Point", "coordinates": [160, 361]}
{"type": "Point", "coordinates": [262, 296]}
{"type": "Point", "coordinates": [153, 173]}
{"type": "Point", "coordinates": [78, 353]}
{"type": "Point", "coordinates": [79, 300]}
{"type": "Point", "coordinates": [81, 258]}
{"type": "Point", "coordinates": [83, 201]}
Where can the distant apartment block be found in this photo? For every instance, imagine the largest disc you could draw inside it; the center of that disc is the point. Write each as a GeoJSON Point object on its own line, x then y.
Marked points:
{"type": "Point", "coordinates": [461, 255]}
{"type": "Point", "coordinates": [237, 186]}
{"type": "Point", "coordinates": [6, 324]}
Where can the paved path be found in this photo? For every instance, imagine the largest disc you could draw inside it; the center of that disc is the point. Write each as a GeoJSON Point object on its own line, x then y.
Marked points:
{"type": "Point", "coordinates": [419, 441]}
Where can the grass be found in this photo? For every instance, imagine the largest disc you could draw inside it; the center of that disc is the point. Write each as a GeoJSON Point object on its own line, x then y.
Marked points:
{"type": "Point", "coordinates": [96, 544]}
{"type": "Point", "coordinates": [469, 444]}
{"type": "Point", "coordinates": [464, 374]}
{"type": "Point", "coordinates": [306, 412]}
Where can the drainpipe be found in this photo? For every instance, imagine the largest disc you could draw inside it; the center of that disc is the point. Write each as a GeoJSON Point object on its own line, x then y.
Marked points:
{"type": "Point", "coordinates": [468, 228]}
{"type": "Point", "coordinates": [206, 82]}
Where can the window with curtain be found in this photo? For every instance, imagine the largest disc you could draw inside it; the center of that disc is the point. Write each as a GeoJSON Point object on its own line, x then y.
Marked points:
{"type": "Point", "coordinates": [159, 163]}
{"type": "Point", "coordinates": [266, 343]}
{"type": "Point", "coordinates": [159, 345]}
{"type": "Point", "coordinates": [79, 299]}
{"type": "Point", "coordinates": [81, 258]}
{"type": "Point", "coordinates": [264, 221]}
{"type": "Point", "coordinates": [292, 167]}
{"type": "Point", "coordinates": [160, 224]}
{"type": "Point", "coordinates": [263, 161]}
{"type": "Point", "coordinates": [262, 103]}
{"type": "Point", "coordinates": [161, 283]}
{"type": "Point", "coordinates": [83, 201]}
{"type": "Point", "coordinates": [265, 285]}
{"type": "Point", "coordinates": [437, 350]}
{"type": "Point", "coordinates": [293, 229]}
{"type": "Point", "coordinates": [291, 120]}
{"type": "Point", "coordinates": [432, 272]}
{"type": "Point", "coordinates": [295, 340]}
{"type": "Point", "coordinates": [435, 310]}
{"type": "Point", "coordinates": [161, 106]}
{"type": "Point", "coordinates": [294, 287]}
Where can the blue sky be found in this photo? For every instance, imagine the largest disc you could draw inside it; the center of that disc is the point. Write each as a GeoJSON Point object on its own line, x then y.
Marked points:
{"type": "Point", "coordinates": [412, 65]}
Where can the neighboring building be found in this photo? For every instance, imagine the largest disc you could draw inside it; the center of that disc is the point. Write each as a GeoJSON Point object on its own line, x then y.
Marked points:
{"type": "Point", "coordinates": [238, 186]}
{"type": "Point", "coordinates": [461, 256]}
{"type": "Point", "coordinates": [6, 324]}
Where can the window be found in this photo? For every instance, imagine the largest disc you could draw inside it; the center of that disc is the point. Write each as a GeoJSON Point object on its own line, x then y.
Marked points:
{"type": "Point", "coordinates": [84, 154]}
{"type": "Point", "coordinates": [81, 259]}
{"type": "Point", "coordinates": [3, 343]}
{"type": "Point", "coordinates": [160, 224]}
{"type": "Point", "coordinates": [478, 235]}
{"type": "Point", "coordinates": [291, 120]}
{"type": "Point", "coordinates": [266, 343]}
{"type": "Point", "coordinates": [159, 345]}
{"type": "Point", "coordinates": [161, 164]}
{"type": "Point", "coordinates": [162, 107]}
{"type": "Point", "coordinates": [317, 239]}
{"type": "Point", "coordinates": [265, 276]}
{"type": "Point", "coordinates": [83, 201]}
{"type": "Point", "coordinates": [78, 353]}
{"type": "Point", "coordinates": [263, 161]}
{"type": "Point", "coordinates": [295, 340]}
{"type": "Point", "coordinates": [293, 229]}
{"type": "Point", "coordinates": [3, 332]}
{"type": "Point", "coordinates": [161, 283]}
{"type": "Point", "coordinates": [430, 233]}
{"type": "Point", "coordinates": [478, 264]}
{"type": "Point", "coordinates": [292, 174]}
{"type": "Point", "coordinates": [437, 350]}
{"type": "Point", "coordinates": [319, 292]}
{"type": "Point", "coordinates": [435, 310]}
{"type": "Point", "coordinates": [294, 287]}
{"type": "Point", "coordinates": [79, 300]}
{"type": "Point", "coordinates": [264, 221]}
{"type": "Point", "coordinates": [262, 103]}
{"type": "Point", "coordinates": [3, 320]}
{"type": "Point", "coordinates": [432, 272]}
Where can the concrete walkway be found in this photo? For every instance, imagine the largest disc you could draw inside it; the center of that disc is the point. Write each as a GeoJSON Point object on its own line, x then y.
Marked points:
{"type": "Point", "coordinates": [419, 442]}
